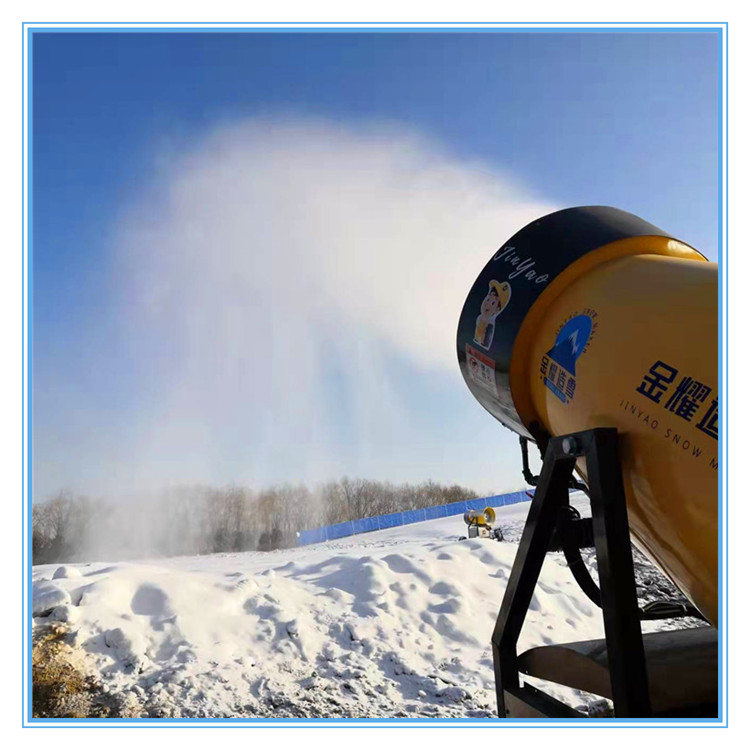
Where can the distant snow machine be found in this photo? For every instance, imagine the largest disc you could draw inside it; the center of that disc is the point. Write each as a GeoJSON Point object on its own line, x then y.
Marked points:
{"type": "Point", "coordinates": [592, 333]}
{"type": "Point", "coordinates": [480, 525]}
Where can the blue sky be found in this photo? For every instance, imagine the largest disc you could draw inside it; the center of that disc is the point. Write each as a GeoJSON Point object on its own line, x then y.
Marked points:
{"type": "Point", "coordinates": [623, 119]}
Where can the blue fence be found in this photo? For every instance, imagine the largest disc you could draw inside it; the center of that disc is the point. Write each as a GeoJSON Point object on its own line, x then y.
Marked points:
{"type": "Point", "coordinates": [363, 525]}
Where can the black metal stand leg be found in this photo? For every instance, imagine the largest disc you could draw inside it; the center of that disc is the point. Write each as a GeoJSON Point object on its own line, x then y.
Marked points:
{"type": "Point", "coordinates": [550, 496]}
{"type": "Point", "coordinates": [622, 627]}
{"type": "Point", "coordinates": [625, 653]}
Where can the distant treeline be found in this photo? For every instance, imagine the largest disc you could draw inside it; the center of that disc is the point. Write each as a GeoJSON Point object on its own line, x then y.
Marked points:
{"type": "Point", "coordinates": [202, 520]}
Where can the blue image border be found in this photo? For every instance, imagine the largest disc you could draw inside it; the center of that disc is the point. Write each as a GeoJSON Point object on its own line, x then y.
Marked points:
{"type": "Point", "coordinates": [29, 30]}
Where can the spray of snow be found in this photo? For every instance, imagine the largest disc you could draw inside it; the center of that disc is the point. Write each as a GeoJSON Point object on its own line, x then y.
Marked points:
{"type": "Point", "coordinates": [283, 278]}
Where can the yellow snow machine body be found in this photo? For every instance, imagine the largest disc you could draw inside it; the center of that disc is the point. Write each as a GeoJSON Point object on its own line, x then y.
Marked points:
{"type": "Point", "coordinates": [594, 334]}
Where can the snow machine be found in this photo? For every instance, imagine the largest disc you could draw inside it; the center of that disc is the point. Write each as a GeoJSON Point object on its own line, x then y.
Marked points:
{"type": "Point", "coordinates": [593, 334]}
{"type": "Point", "coordinates": [480, 525]}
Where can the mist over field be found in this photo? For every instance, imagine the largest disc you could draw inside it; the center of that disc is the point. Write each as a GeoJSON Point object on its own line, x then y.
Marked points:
{"type": "Point", "coordinates": [199, 520]}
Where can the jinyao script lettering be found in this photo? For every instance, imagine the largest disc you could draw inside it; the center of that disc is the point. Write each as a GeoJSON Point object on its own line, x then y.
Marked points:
{"type": "Point", "coordinates": [522, 266]}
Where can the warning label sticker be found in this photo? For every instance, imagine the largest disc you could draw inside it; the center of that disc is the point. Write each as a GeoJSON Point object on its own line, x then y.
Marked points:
{"type": "Point", "coordinates": [481, 369]}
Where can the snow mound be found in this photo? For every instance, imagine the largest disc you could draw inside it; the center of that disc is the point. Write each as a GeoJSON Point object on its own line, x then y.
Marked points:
{"type": "Point", "coordinates": [129, 648]}
{"type": "Point", "coordinates": [46, 596]}
{"type": "Point", "coordinates": [392, 623]}
{"type": "Point", "coordinates": [64, 613]}
{"type": "Point", "coordinates": [66, 571]}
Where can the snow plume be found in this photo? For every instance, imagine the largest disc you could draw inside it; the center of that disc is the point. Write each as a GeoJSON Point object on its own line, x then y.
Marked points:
{"type": "Point", "coordinates": [290, 286]}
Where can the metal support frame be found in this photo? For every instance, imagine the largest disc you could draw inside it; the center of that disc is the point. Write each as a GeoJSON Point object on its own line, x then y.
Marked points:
{"type": "Point", "coordinates": [626, 658]}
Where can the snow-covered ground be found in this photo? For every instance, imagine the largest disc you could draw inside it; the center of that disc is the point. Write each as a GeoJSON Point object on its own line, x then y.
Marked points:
{"type": "Point", "coordinates": [391, 623]}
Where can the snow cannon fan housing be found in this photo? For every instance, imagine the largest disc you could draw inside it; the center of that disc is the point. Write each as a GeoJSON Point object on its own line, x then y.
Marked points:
{"type": "Point", "coordinates": [475, 518]}
{"type": "Point", "coordinates": [592, 317]}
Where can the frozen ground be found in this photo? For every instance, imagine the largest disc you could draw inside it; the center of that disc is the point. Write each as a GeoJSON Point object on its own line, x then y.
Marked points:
{"type": "Point", "coordinates": [391, 623]}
